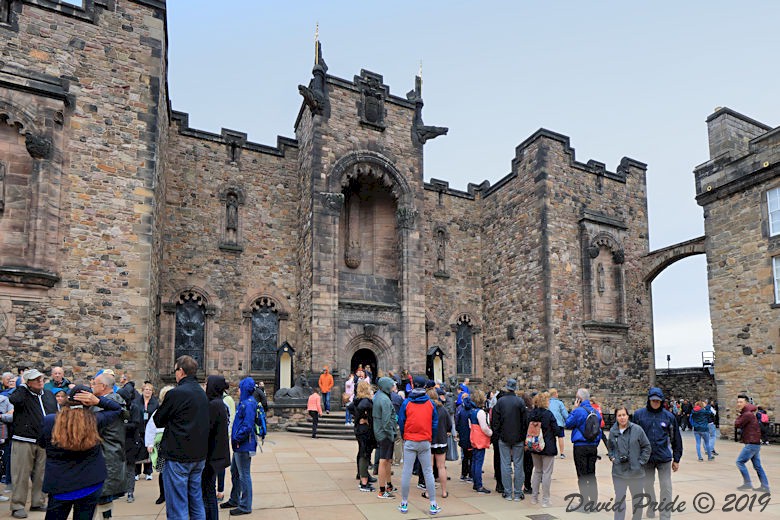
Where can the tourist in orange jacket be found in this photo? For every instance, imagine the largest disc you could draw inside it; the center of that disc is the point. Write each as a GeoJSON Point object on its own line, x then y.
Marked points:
{"type": "Point", "coordinates": [326, 384]}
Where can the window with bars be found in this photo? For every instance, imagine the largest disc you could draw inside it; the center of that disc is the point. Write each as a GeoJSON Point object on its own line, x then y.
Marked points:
{"type": "Point", "coordinates": [265, 335]}
{"type": "Point", "coordinates": [773, 208]}
{"type": "Point", "coordinates": [464, 340]}
{"type": "Point", "coordinates": [190, 327]}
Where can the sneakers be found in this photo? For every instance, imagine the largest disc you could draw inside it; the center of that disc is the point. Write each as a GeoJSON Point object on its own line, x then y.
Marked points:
{"type": "Point", "coordinates": [403, 507]}
{"type": "Point", "coordinates": [130, 498]}
{"type": "Point", "coordinates": [421, 486]}
{"type": "Point", "coordinates": [371, 479]}
{"type": "Point", "coordinates": [534, 499]}
{"type": "Point", "coordinates": [747, 486]}
{"type": "Point", "coordinates": [701, 459]}
{"type": "Point", "coordinates": [465, 478]}
{"type": "Point", "coordinates": [563, 456]}
{"type": "Point", "coordinates": [710, 458]}
{"type": "Point", "coordinates": [507, 496]}
{"type": "Point", "coordinates": [368, 488]}
{"type": "Point", "coordinates": [520, 496]}
{"type": "Point", "coordinates": [716, 453]}
{"type": "Point", "coordinates": [385, 495]}
{"type": "Point", "coordinates": [482, 490]}
{"type": "Point", "coordinates": [137, 478]}
{"type": "Point", "coordinates": [19, 513]}
{"type": "Point", "coordinates": [4, 498]}
{"type": "Point", "coordinates": [391, 488]}
{"type": "Point", "coordinates": [434, 509]}
{"type": "Point", "coordinates": [546, 503]}
{"type": "Point", "coordinates": [149, 477]}
{"type": "Point", "coordinates": [762, 489]}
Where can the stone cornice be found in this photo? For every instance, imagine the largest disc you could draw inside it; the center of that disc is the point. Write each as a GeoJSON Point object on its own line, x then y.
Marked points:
{"type": "Point", "coordinates": [27, 276]}
{"type": "Point", "coordinates": [363, 305]}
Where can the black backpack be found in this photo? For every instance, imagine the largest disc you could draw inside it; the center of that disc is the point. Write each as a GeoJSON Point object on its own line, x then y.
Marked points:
{"type": "Point", "coordinates": [592, 426]}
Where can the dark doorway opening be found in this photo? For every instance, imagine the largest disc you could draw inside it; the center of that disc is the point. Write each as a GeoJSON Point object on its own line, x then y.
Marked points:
{"type": "Point", "coordinates": [363, 356]}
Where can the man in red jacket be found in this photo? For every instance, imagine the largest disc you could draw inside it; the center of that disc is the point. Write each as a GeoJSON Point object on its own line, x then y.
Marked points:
{"type": "Point", "coordinates": [751, 436]}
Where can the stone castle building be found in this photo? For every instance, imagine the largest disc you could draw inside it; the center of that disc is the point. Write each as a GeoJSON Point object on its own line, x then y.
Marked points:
{"type": "Point", "coordinates": [128, 238]}
{"type": "Point", "coordinates": [739, 189]}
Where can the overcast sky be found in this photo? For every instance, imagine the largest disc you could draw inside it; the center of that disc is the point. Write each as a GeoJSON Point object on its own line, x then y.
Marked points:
{"type": "Point", "coordinates": [635, 79]}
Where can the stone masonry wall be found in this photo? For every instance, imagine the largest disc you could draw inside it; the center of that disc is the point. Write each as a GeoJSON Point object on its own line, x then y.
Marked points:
{"type": "Point", "coordinates": [693, 384]}
{"type": "Point", "coordinates": [457, 290]}
{"type": "Point", "coordinates": [586, 206]}
{"type": "Point", "coordinates": [200, 171]}
{"type": "Point", "coordinates": [113, 62]}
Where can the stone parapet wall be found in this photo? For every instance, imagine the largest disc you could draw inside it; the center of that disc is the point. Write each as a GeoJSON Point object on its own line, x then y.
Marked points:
{"type": "Point", "coordinates": [694, 383]}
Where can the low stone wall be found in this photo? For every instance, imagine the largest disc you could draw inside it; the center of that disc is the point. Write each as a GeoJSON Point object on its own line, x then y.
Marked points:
{"type": "Point", "coordinates": [279, 417]}
{"type": "Point", "coordinates": [691, 383]}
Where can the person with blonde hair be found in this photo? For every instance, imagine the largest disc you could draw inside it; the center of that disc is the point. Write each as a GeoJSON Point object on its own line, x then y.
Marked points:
{"type": "Point", "coordinates": [544, 459]}
{"type": "Point", "coordinates": [75, 466]}
{"type": "Point", "coordinates": [149, 404]}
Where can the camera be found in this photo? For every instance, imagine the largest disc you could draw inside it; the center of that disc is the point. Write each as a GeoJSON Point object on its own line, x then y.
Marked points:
{"type": "Point", "coordinates": [623, 459]}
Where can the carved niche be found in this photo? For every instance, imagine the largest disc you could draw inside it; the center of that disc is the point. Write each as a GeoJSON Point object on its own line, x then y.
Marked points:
{"type": "Point", "coordinates": [232, 198]}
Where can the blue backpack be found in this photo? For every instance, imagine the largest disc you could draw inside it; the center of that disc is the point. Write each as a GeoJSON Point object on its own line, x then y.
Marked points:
{"type": "Point", "coordinates": [261, 427]}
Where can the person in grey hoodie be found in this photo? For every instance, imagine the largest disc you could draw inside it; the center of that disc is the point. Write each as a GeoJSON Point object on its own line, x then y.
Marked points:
{"type": "Point", "coordinates": [629, 451]}
{"type": "Point", "coordinates": [384, 432]}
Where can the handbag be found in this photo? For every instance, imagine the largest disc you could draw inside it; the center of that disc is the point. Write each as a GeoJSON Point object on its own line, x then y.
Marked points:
{"type": "Point", "coordinates": [452, 447]}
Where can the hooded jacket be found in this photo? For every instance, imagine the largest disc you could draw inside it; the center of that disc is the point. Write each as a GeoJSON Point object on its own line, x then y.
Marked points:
{"type": "Point", "coordinates": [326, 382]}
{"type": "Point", "coordinates": [134, 425]}
{"type": "Point", "coordinates": [418, 418]}
{"type": "Point", "coordinates": [218, 454]}
{"type": "Point", "coordinates": [113, 434]}
{"type": "Point", "coordinates": [748, 422]}
{"type": "Point", "coordinates": [661, 429]}
{"type": "Point", "coordinates": [462, 423]}
{"type": "Point", "coordinates": [576, 421]}
{"type": "Point", "coordinates": [243, 435]}
{"type": "Point", "coordinates": [383, 411]}
{"type": "Point", "coordinates": [699, 418]}
{"type": "Point", "coordinates": [632, 446]}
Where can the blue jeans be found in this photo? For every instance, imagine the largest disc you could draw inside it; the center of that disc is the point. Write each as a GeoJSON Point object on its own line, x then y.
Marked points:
{"type": "Point", "coordinates": [347, 416]}
{"type": "Point", "coordinates": [512, 455]}
{"type": "Point", "coordinates": [240, 475]}
{"type": "Point", "coordinates": [477, 459]}
{"type": "Point", "coordinates": [713, 434]}
{"type": "Point", "coordinates": [183, 493]}
{"type": "Point", "coordinates": [751, 452]}
{"type": "Point", "coordinates": [326, 401]}
{"type": "Point", "coordinates": [705, 437]}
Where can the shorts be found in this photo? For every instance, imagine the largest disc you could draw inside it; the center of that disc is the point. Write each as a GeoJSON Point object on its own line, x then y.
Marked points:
{"type": "Point", "coordinates": [561, 431]}
{"type": "Point", "coordinates": [385, 449]}
{"type": "Point", "coordinates": [439, 451]}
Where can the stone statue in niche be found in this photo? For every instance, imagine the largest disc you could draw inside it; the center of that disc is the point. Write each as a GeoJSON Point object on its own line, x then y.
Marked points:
{"type": "Point", "coordinates": [600, 278]}
{"type": "Point", "coordinates": [352, 252]}
{"type": "Point", "coordinates": [231, 218]}
{"type": "Point", "coordinates": [441, 245]}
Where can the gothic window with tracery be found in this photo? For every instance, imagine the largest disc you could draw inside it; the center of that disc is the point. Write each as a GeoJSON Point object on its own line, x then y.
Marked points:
{"type": "Point", "coordinates": [265, 335]}
{"type": "Point", "coordinates": [190, 327]}
{"type": "Point", "coordinates": [464, 345]}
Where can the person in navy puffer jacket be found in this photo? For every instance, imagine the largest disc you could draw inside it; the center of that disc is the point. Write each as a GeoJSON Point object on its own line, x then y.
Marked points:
{"type": "Point", "coordinates": [244, 443]}
{"type": "Point", "coordinates": [660, 426]}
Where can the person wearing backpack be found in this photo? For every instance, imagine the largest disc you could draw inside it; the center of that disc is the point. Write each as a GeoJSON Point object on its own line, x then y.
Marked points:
{"type": "Point", "coordinates": [509, 425]}
{"type": "Point", "coordinates": [542, 423]}
{"type": "Point", "coordinates": [244, 442]}
{"type": "Point", "coordinates": [662, 431]}
{"type": "Point", "coordinates": [479, 435]}
{"type": "Point", "coordinates": [629, 450]}
{"type": "Point", "coordinates": [585, 423]}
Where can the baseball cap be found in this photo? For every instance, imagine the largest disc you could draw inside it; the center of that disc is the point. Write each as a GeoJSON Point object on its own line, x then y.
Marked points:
{"type": "Point", "coordinates": [31, 374]}
{"type": "Point", "coordinates": [419, 381]}
{"type": "Point", "coordinates": [76, 389]}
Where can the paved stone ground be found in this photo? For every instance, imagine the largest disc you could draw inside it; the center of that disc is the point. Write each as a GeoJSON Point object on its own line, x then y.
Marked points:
{"type": "Point", "coordinates": [297, 477]}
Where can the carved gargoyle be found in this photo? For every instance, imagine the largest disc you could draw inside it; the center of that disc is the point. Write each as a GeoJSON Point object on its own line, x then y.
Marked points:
{"type": "Point", "coordinates": [430, 132]}
{"type": "Point", "coordinates": [314, 99]}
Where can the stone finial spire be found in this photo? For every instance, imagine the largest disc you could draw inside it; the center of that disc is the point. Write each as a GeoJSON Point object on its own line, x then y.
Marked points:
{"type": "Point", "coordinates": [315, 95]}
{"type": "Point", "coordinates": [317, 44]}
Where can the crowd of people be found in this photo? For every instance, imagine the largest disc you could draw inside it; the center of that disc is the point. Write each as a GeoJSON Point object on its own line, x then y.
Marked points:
{"type": "Point", "coordinates": [80, 446]}
{"type": "Point", "coordinates": [76, 447]}
{"type": "Point", "coordinates": [527, 432]}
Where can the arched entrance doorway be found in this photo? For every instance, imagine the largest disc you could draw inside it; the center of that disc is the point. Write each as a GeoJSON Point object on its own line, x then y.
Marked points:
{"type": "Point", "coordinates": [363, 356]}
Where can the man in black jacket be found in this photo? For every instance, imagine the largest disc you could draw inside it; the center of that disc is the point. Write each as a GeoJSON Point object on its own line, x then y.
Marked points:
{"type": "Point", "coordinates": [113, 435]}
{"type": "Point", "coordinates": [28, 460]}
{"type": "Point", "coordinates": [510, 424]}
{"type": "Point", "coordinates": [184, 413]}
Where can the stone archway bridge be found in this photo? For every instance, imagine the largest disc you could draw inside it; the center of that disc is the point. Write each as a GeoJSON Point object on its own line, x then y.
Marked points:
{"type": "Point", "coordinates": [658, 260]}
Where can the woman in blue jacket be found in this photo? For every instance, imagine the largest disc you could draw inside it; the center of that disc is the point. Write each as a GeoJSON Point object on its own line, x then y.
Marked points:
{"type": "Point", "coordinates": [244, 443]}
{"type": "Point", "coordinates": [701, 428]}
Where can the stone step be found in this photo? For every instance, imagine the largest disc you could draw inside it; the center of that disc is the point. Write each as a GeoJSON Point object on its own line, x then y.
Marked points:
{"type": "Point", "coordinates": [325, 434]}
{"type": "Point", "coordinates": [326, 426]}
